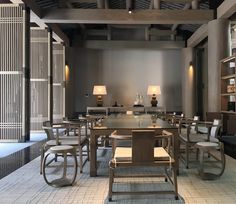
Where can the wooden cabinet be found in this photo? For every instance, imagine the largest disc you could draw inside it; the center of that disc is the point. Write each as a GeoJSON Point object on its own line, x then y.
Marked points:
{"type": "Point", "coordinates": [227, 81]}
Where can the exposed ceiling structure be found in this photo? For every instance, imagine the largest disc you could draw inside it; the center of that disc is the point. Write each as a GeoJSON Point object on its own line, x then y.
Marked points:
{"type": "Point", "coordinates": [150, 20]}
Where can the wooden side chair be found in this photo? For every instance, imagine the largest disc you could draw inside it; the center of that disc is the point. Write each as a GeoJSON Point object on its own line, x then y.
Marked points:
{"type": "Point", "coordinates": [214, 148]}
{"type": "Point", "coordinates": [189, 136]}
{"type": "Point", "coordinates": [143, 153]}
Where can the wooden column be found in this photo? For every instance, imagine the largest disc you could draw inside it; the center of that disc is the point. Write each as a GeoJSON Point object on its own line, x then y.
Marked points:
{"type": "Point", "coordinates": [188, 82]}
{"type": "Point", "coordinates": [218, 48]}
{"type": "Point", "coordinates": [26, 75]}
{"type": "Point", "coordinates": [50, 77]}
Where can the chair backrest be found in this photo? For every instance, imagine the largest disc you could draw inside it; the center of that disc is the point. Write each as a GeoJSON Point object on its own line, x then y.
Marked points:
{"type": "Point", "coordinates": [215, 129]}
{"type": "Point", "coordinates": [143, 146]}
{"type": "Point", "coordinates": [195, 118]}
{"type": "Point", "coordinates": [48, 129]}
{"type": "Point", "coordinates": [129, 112]}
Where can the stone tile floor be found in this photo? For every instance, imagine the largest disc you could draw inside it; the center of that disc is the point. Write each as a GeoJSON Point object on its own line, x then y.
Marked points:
{"type": "Point", "coordinates": [25, 185]}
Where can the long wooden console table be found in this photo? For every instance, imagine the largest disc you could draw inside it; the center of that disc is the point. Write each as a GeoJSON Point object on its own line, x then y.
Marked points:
{"type": "Point", "coordinates": [108, 110]}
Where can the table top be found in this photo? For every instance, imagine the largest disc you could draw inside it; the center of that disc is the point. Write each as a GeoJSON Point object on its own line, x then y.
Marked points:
{"type": "Point", "coordinates": [123, 121]}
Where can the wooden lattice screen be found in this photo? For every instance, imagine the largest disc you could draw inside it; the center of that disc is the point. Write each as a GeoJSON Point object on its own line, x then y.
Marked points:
{"type": "Point", "coordinates": [39, 77]}
{"type": "Point", "coordinates": [12, 19]}
{"type": "Point", "coordinates": [58, 81]}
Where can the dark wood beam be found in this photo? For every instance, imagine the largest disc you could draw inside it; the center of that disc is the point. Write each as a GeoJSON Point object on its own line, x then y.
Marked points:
{"type": "Point", "coordinates": [57, 30]}
{"type": "Point", "coordinates": [121, 16]}
{"type": "Point", "coordinates": [112, 44]}
{"type": "Point", "coordinates": [226, 9]}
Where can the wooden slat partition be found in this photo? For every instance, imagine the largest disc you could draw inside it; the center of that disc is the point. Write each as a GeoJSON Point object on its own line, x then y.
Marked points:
{"type": "Point", "coordinates": [11, 73]}
{"type": "Point", "coordinates": [39, 77]}
{"type": "Point", "coordinates": [58, 81]}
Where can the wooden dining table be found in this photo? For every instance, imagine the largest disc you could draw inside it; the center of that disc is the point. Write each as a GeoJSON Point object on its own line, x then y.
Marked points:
{"type": "Point", "coordinates": [127, 123]}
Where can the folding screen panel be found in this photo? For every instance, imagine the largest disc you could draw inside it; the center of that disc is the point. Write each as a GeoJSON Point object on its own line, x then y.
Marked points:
{"type": "Point", "coordinates": [12, 24]}
{"type": "Point", "coordinates": [58, 81]}
{"type": "Point", "coordinates": [39, 77]}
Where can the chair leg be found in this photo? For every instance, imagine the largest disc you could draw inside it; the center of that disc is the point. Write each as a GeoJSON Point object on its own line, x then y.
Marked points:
{"type": "Point", "coordinates": [41, 160]}
{"type": "Point", "coordinates": [197, 154]}
{"type": "Point", "coordinates": [65, 165]}
{"type": "Point", "coordinates": [175, 182]}
{"type": "Point", "coordinates": [166, 177]}
{"type": "Point", "coordinates": [187, 155]}
{"type": "Point", "coordinates": [81, 159]}
{"type": "Point", "coordinates": [88, 151]}
{"type": "Point", "coordinates": [111, 180]}
{"type": "Point", "coordinates": [222, 159]}
{"type": "Point", "coordinates": [201, 171]}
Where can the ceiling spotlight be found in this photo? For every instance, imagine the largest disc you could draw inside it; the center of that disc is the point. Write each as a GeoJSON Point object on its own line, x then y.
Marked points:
{"type": "Point", "coordinates": [130, 11]}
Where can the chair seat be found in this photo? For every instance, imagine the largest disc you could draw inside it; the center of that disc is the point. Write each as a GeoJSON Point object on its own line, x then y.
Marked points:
{"type": "Point", "coordinates": [70, 141]}
{"type": "Point", "coordinates": [61, 149]}
{"type": "Point", "coordinates": [212, 139]}
{"type": "Point", "coordinates": [125, 154]}
{"type": "Point", "coordinates": [207, 144]}
{"type": "Point", "coordinates": [194, 137]}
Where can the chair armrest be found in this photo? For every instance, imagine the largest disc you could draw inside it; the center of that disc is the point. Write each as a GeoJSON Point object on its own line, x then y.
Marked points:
{"type": "Point", "coordinates": [118, 137]}
{"type": "Point", "coordinates": [166, 139]}
{"type": "Point", "coordinates": [205, 123]}
{"type": "Point", "coordinates": [59, 125]}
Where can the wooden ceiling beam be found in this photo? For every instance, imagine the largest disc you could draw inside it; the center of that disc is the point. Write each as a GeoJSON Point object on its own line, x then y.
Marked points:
{"type": "Point", "coordinates": [186, 7]}
{"type": "Point", "coordinates": [119, 44]}
{"type": "Point", "coordinates": [121, 16]}
{"type": "Point", "coordinates": [82, 1]}
{"type": "Point", "coordinates": [136, 26]}
{"type": "Point", "coordinates": [226, 9]}
{"type": "Point", "coordinates": [200, 34]}
{"type": "Point", "coordinates": [178, 1]}
{"type": "Point", "coordinates": [35, 15]}
{"type": "Point", "coordinates": [57, 30]}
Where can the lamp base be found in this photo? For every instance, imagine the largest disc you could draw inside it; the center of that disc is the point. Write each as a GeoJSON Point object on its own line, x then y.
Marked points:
{"type": "Point", "coordinates": [99, 101]}
{"type": "Point", "coordinates": [154, 101]}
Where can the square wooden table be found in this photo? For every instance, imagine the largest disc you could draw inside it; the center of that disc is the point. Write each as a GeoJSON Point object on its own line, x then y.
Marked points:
{"type": "Point", "coordinates": [127, 123]}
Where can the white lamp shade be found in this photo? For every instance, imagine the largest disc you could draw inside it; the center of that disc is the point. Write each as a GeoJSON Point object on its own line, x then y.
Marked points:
{"type": "Point", "coordinates": [99, 90]}
{"type": "Point", "coordinates": [154, 90]}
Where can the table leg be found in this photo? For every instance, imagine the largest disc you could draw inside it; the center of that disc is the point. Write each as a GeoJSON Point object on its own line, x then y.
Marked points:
{"type": "Point", "coordinates": [93, 154]}
{"type": "Point", "coordinates": [176, 149]}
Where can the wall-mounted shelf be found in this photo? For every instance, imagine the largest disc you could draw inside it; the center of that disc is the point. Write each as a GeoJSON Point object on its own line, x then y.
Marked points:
{"type": "Point", "coordinates": [228, 94]}
{"type": "Point", "coordinates": [227, 81]}
{"type": "Point", "coordinates": [231, 112]}
{"type": "Point", "coordinates": [231, 76]}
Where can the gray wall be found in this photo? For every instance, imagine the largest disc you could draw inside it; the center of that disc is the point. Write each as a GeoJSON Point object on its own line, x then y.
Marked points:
{"type": "Point", "coordinates": [125, 73]}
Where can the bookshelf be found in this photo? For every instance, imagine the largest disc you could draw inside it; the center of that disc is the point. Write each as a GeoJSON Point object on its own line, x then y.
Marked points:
{"type": "Point", "coordinates": [227, 81]}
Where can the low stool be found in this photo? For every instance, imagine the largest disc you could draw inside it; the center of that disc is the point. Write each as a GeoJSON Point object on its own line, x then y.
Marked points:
{"type": "Point", "coordinates": [66, 179]}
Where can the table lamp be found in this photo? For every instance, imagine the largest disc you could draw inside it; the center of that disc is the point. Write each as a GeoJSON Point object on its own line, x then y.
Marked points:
{"type": "Point", "coordinates": [99, 91]}
{"type": "Point", "coordinates": [154, 91]}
